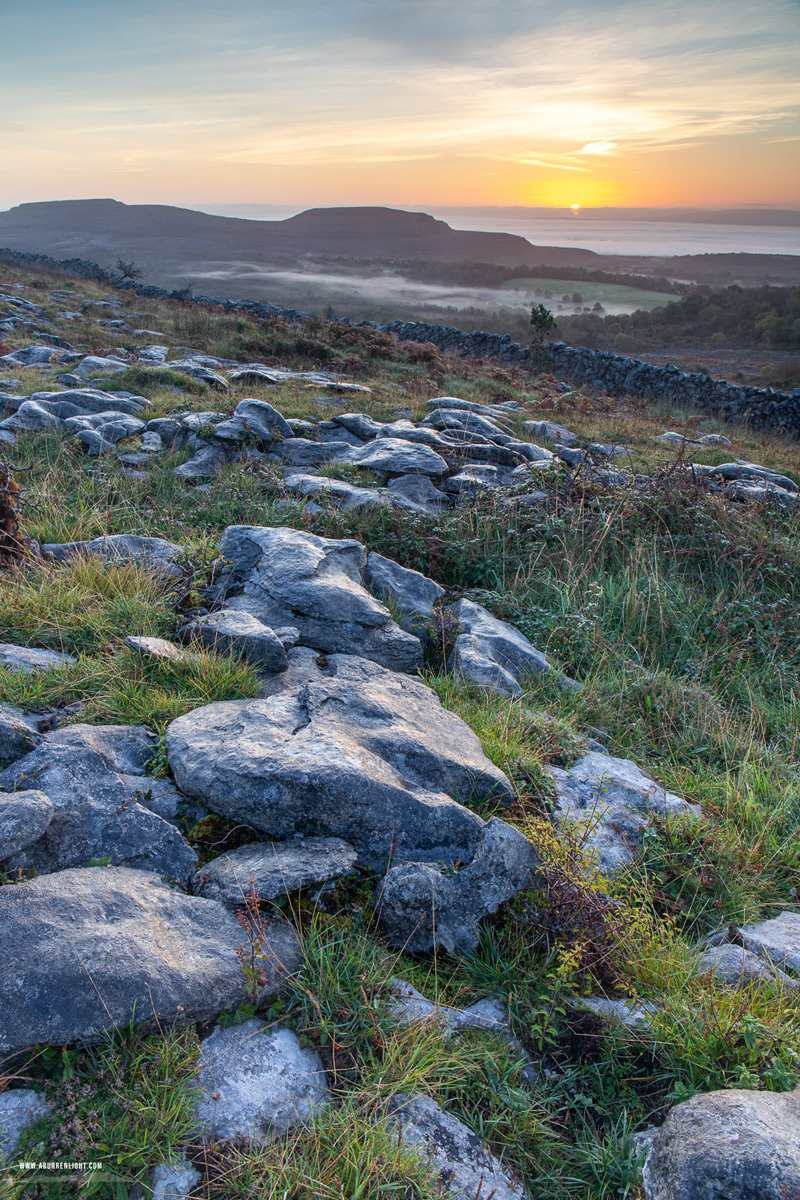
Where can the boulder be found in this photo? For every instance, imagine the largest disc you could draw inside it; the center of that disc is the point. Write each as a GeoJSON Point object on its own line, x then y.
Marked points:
{"type": "Point", "coordinates": [24, 816]}
{"type": "Point", "coordinates": [394, 456]}
{"type": "Point", "coordinates": [777, 940]}
{"type": "Point", "coordinates": [417, 494]}
{"type": "Point", "coordinates": [86, 950]}
{"type": "Point", "coordinates": [274, 869]}
{"type": "Point", "coordinates": [19, 734]}
{"type": "Point", "coordinates": [95, 365]}
{"type": "Point", "coordinates": [262, 421]}
{"type": "Point", "coordinates": [256, 1082]}
{"type": "Point", "coordinates": [422, 907]}
{"type": "Point", "coordinates": [292, 578]}
{"type": "Point", "coordinates": [204, 463]}
{"type": "Point", "coordinates": [18, 1109]}
{"type": "Point", "coordinates": [239, 633]}
{"type": "Point", "coordinates": [29, 658]}
{"type": "Point", "coordinates": [467, 1170]}
{"type": "Point", "coordinates": [85, 770]}
{"type": "Point", "coordinates": [733, 1144]}
{"type": "Point", "coordinates": [491, 653]}
{"type": "Point", "coordinates": [156, 554]}
{"type": "Point", "coordinates": [615, 800]}
{"type": "Point", "coordinates": [410, 595]}
{"type": "Point", "coordinates": [155, 647]}
{"type": "Point", "coordinates": [343, 744]}
{"type": "Point", "coordinates": [31, 416]}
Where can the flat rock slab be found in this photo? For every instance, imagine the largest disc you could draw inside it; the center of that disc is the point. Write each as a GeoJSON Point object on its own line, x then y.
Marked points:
{"type": "Point", "coordinates": [365, 753]}
{"type": "Point", "coordinates": [614, 799]}
{"type": "Point", "coordinates": [736, 1144]}
{"type": "Point", "coordinates": [29, 658]}
{"type": "Point", "coordinates": [342, 495]}
{"type": "Point", "coordinates": [421, 907]}
{"type": "Point", "coordinates": [85, 770]}
{"type": "Point", "coordinates": [256, 1082]}
{"type": "Point", "coordinates": [156, 554]}
{"type": "Point", "coordinates": [85, 950]}
{"type": "Point", "coordinates": [273, 869]}
{"type": "Point", "coordinates": [737, 968]}
{"type": "Point", "coordinates": [491, 653]}
{"type": "Point", "coordinates": [292, 578]}
{"type": "Point", "coordinates": [467, 1170]}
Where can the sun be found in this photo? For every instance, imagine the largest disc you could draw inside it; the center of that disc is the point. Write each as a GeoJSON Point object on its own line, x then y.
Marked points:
{"type": "Point", "coordinates": [576, 208]}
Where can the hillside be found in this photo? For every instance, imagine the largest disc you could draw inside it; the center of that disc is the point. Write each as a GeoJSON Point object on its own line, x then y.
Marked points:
{"type": "Point", "coordinates": [399, 783]}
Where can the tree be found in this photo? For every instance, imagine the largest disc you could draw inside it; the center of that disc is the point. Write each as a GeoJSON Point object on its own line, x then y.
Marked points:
{"type": "Point", "coordinates": [542, 323]}
{"type": "Point", "coordinates": [127, 270]}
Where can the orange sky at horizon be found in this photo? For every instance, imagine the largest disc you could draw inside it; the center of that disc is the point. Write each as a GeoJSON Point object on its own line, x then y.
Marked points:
{"type": "Point", "coordinates": [599, 102]}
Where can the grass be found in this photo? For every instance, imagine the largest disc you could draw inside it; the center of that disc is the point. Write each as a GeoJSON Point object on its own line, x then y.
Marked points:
{"type": "Point", "coordinates": [676, 611]}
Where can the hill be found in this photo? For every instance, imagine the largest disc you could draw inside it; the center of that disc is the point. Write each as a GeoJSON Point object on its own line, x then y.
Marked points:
{"type": "Point", "coordinates": [154, 234]}
{"type": "Point", "coordinates": [399, 779]}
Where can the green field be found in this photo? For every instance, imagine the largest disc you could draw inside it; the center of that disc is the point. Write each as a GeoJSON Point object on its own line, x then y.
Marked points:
{"type": "Point", "coordinates": [612, 296]}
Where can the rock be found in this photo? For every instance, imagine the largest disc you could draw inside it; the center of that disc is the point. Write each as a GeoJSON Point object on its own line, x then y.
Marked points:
{"type": "Point", "coordinates": [344, 744]}
{"type": "Point", "coordinates": [633, 1014]}
{"type": "Point", "coordinates": [18, 1109]}
{"type": "Point", "coordinates": [88, 949]}
{"type": "Point", "coordinates": [571, 455]}
{"type": "Point", "coordinates": [30, 417]}
{"type": "Point", "coordinates": [79, 769]}
{"type": "Point", "coordinates": [92, 400]}
{"type": "Point", "coordinates": [736, 968]}
{"type": "Point", "coordinates": [155, 647]}
{"type": "Point", "coordinates": [18, 734]}
{"type": "Point", "coordinates": [766, 492]}
{"type": "Point", "coordinates": [300, 452]}
{"type": "Point", "coordinates": [777, 941]}
{"type": "Point", "coordinates": [748, 470]}
{"type": "Point", "coordinates": [274, 869]}
{"type": "Point", "coordinates": [28, 659]}
{"type": "Point", "coordinates": [393, 456]}
{"type": "Point", "coordinates": [256, 1082]}
{"type": "Point", "coordinates": [37, 356]}
{"type": "Point", "coordinates": [98, 420]}
{"type": "Point", "coordinates": [358, 424]}
{"type": "Point", "coordinates": [204, 464]}
{"type": "Point", "coordinates": [24, 816]}
{"type": "Point", "coordinates": [550, 431]}
{"type": "Point", "coordinates": [491, 653]}
{"type": "Point", "coordinates": [733, 1144]}
{"type": "Point", "coordinates": [468, 422]}
{"type": "Point", "coordinates": [262, 420]}
{"type": "Point", "coordinates": [408, 594]}
{"type": "Point", "coordinates": [484, 1014]}
{"type": "Point", "coordinates": [94, 365]}
{"type": "Point", "coordinates": [343, 495]}
{"type": "Point", "coordinates": [239, 633]}
{"type": "Point", "coordinates": [467, 1170]}
{"type": "Point", "coordinates": [471, 480]}
{"type": "Point", "coordinates": [202, 374]}
{"type": "Point", "coordinates": [417, 494]}
{"type": "Point", "coordinates": [156, 554]}
{"type": "Point", "coordinates": [422, 908]}
{"type": "Point", "coordinates": [292, 578]}
{"type": "Point", "coordinates": [615, 798]}
{"type": "Point", "coordinates": [167, 1181]}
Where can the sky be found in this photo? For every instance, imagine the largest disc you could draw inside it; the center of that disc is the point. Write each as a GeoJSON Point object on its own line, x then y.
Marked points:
{"type": "Point", "coordinates": [410, 103]}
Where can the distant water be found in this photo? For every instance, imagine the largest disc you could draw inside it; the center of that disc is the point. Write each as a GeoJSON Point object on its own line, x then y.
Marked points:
{"type": "Point", "coordinates": [580, 229]}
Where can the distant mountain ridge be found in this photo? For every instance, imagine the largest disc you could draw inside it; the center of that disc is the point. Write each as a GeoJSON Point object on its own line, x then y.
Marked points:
{"type": "Point", "coordinates": [155, 233]}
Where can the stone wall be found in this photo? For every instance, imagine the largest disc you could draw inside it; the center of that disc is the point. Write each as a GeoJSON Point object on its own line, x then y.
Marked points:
{"type": "Point", "coordinates": [611, 373]}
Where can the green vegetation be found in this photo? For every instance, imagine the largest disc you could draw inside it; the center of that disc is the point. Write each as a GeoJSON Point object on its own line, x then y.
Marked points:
{"type": "Point", "coordinates": [678, 613]}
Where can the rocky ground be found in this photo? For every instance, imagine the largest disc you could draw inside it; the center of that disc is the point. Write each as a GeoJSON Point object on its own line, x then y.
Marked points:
{"type": "Point", "coordinates": [398, 771]}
